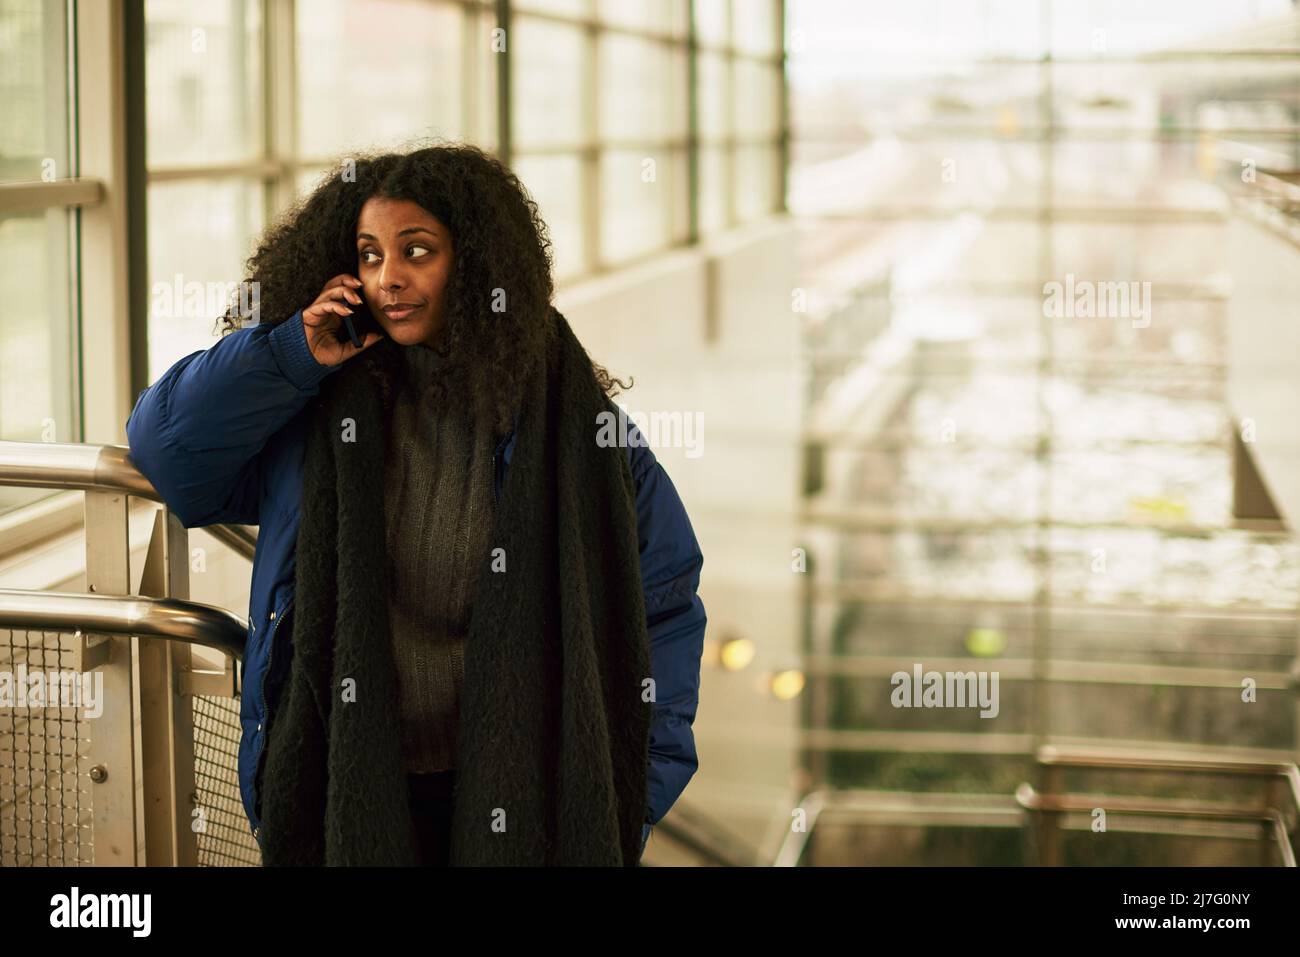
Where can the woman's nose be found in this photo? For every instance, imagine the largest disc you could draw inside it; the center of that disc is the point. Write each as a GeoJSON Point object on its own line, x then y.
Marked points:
{"type": "Point", "coordinates": [391, 278]}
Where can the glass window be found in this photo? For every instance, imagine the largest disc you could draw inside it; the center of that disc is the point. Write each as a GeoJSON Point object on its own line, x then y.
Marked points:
{"type": "Point", "coordinates": [589, 105]}
{"type": "Point", "coordinates": [572, 8]}
{"type": "Point", "coordinates": [738, 98]}
{"type": "Point", "coordinates": [755, 27]}
{"type": "Point", "coordinates": [711, 18]}
{"type": "Point", "coordinates": [756, 96]}
{"type": "Point", "coordinates": [642, 89]}
{"type": "Point", "coordinates": [557, 184]}
{"type": "Point", "coordinates": [711, 96]}
{"type": "Point", "coordinates": [377, 74]}
{"type": "Point", "coordinates": [309, 177]}
{"type": "Point", "coordinates": [547, 62]}
{"type": "Point", "coordinates": [1065, 207]}
{"type": "Point", "coordinates": [38, 352]}
{"type": "Point", "coordinates": [33, 92]}
{"type": "Point", "coordinates": [480, 81]}
{"type": "Point", "coordinates": [661, 16]}
{"type": "Point", "coordinates": [200, 233]}
{"type": "Point", "coordinates": [640, 202]}
{"type": "Point", "coordinates": [40, 377]}
{"type": "Point", "coordinates": [203, 75]}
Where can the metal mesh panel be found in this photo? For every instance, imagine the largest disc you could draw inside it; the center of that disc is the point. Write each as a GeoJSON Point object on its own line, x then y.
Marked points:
{"type": "Point", "coordinates": [224, 839]}
{"type": "Point", "coordinates": [45, 787]}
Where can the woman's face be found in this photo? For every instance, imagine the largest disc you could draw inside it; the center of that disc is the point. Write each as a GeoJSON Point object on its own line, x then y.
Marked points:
{"type": "Point", "coordinates": [404, 262]}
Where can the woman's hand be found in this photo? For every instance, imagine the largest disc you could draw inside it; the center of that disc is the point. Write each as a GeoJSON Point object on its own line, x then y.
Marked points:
{"type": "Point", "coordinates": [322, 318]}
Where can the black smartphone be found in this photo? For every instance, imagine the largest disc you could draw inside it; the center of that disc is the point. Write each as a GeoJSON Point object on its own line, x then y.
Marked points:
{"type": "Point", "coordinates": [358, 325]}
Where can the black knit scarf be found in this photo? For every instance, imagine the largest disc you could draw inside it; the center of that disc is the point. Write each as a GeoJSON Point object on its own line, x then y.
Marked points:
{"type": "Point", "coordinates": [554, 724]}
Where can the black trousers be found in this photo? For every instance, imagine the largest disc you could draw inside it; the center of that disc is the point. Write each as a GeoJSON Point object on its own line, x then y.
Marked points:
{"type": "Point", "coordinates": [431, 815]}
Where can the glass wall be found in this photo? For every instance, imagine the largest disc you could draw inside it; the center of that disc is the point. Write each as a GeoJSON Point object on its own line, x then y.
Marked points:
{"type": "Point", "coordinates": [636, 129]}
{"type": "Point", "coordinates": [39, 357]}
{"type": "Point", "coordinates": [206, 140]}
{"type": "Point", "coordinates": [1017, 224]}
{"type": "Point", "coordinates": [625, 158]}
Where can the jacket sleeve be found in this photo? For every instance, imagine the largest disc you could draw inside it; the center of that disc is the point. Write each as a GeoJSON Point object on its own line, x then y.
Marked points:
{"type": "Point", "coordinates": [197, 433]}
{"type": "Point", "coordinates": [670, 567]}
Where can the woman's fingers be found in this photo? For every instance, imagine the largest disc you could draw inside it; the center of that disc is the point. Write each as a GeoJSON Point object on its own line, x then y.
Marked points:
{"type": "Point", "coordinates": [342, 279]}
{"type": "Point", "coordinates": [342, 287]}
{"type": "Point", "coordinates": [322, 316]}
{"type": "Point", "coordinates": [322, 307]}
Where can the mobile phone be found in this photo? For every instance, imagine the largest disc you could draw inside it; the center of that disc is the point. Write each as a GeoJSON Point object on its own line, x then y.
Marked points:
{"type": "Point", "coordinates": [358, 325]}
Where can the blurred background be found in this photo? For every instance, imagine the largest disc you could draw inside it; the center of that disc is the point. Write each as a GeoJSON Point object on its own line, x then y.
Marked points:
{"type": "Point", "coordinates": [837, 234]}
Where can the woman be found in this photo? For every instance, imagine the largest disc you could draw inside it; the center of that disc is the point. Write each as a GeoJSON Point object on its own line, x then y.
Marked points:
{"type": "Point", "coordinates": [495, 639]}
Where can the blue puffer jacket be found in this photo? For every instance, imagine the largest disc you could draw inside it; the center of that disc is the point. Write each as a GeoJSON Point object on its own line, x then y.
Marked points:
{"type": "Point", "coordinates": [221, 438]}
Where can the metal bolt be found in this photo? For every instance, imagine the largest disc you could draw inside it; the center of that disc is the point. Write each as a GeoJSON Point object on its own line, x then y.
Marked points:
{"type": "Point", "coordinates": [99, 774]}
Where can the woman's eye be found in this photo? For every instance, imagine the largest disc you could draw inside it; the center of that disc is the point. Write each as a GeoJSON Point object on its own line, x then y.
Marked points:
{"type": "Point", "coordinates": [415, 251]}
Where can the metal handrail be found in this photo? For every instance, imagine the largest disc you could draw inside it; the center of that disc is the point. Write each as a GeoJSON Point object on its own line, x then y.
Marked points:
{"type": "Point", "coordinates": [1032, 800]}
{"type": "Point", "coordinates": [1037, 802]}
{"type": "Point", "coordinates": [709, 842]}
{"type": "Point", "coordinates": [73, 465]}
{"type": "Point", "coordinates": [953, 810]}
{"type": "Point", "coordinates": [1280, 821]}
{"type": "Point", "coordinates": [191, 622]}
{"type": "Point", "coordinates": [1056, 759]}
{"type": "Point", "coordinates": [1120, 759]}
{"type": "Point", "coordinates": [796, 842]}
{"type": "Point", "coordinates": [158, 700]}
{"type": "Point", "coordinates": [240, 539]}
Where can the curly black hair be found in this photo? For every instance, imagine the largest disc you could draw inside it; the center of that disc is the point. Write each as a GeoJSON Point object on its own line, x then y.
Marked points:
{"type": "Point", "coordinates": [502, 253]}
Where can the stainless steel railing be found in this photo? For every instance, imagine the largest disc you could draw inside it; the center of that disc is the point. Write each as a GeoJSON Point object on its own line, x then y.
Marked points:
{"type": "Point", "coordinates": [152, 778]}
{"type": "Point", "coordinates": [885, 809]}
{"type": "Point", "coordinates": [1270, 812]}
{"type": "Point", "coordinates": [72, 465]}
{"type": "Point", "coordinates": [1274, 806]}
{"type": "Point", "coordinates": [189, 622]}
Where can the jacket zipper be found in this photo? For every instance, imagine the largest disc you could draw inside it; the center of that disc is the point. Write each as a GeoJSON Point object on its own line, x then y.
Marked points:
{"type": "Point", "coordinates": [495, 491]}
{"type": "Point", "coordinates": [500, 449]}
{"type": "Point", "coordinates": [266, 715]}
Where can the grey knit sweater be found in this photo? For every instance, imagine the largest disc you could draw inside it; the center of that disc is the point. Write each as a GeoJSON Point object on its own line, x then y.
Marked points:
{"type": "Point", "coordinates": [438, 494]}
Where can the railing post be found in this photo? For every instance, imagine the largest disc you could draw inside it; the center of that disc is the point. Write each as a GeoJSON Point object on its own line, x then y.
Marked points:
{"type": "Point", "coordinates": [166, 712]}
{"type": "Point", "coordinates": [1051, 852]}
{"type": "Point", "coordinates": [114, 750]}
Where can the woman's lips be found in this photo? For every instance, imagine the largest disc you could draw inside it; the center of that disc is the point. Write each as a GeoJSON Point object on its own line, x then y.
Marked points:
{"type": "Point", "coordinates": [397, 315]}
